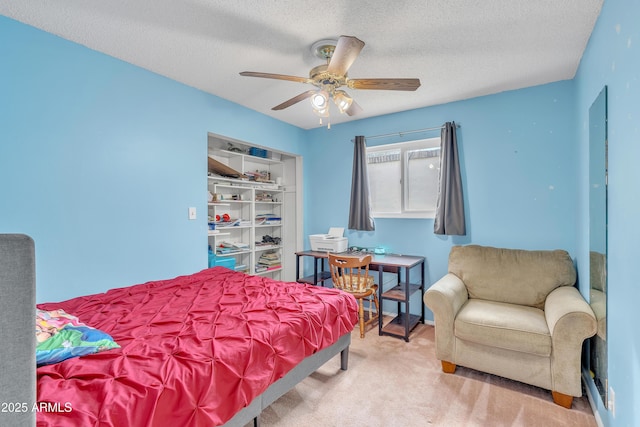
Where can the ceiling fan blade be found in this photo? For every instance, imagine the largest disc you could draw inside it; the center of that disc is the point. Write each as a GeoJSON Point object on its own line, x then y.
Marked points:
{"type": "Point", "coordinates": [294, 100]}
{"type": "Point", "coordinates": [385, 84]}
{"type": "Point", "coordinates": [347, 50]}
{"type": "Point", "coordinates": [354, 109]}
{"type": "Point", "coordinates": [275, 76]}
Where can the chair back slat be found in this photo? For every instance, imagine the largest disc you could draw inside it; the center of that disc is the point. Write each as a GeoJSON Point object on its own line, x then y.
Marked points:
{"type": "Point", "coordinates": [350, 273]}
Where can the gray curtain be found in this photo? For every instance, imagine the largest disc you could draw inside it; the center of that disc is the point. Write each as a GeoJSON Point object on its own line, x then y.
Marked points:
{"type": "Point", "coordinates": [450, 206]}
{"type": "Point", "coordinates": [360, 208]}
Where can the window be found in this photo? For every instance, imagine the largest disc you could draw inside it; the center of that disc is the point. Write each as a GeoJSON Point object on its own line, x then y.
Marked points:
{"type": "Point", "coordinates": [403, 178]}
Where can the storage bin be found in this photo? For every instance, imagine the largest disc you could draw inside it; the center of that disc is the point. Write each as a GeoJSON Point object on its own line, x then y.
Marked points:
{"type": "Point", "coordinates": [215, 261]}
{"type": "Point", "coordinates": [258, 152]}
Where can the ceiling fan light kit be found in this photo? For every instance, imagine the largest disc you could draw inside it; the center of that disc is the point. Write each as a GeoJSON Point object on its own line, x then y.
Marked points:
{"type": "Point", "coordinates": [320, 104]}
{"type": "Point", "coordinates": [320, 100]}
{"type": "Point", "coordinates": [329, 77]}
{"type": "Point", "coordinates": [342, 100]}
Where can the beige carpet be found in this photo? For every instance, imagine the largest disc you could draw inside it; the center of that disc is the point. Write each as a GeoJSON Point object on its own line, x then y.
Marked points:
{"type": "Point", "coordinates": [393, 383]}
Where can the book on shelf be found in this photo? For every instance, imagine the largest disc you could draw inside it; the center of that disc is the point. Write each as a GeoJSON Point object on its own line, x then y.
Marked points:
{"type": "Point", "coordinates": [270, 259]}
{"type": "Point", "coordinates": [268, 219]}
{"type": "Point", "coordinates": [227, 251]}
{"type": "Point", "coordinates": [261, 268]}
{"type": "Point", "coordinates": [225, 248]}
{"type": "Point", "coordinates": [233, 223]}
{"type": "Point", "coordinates": [267, 262]}
{"type": "Point", "coordinates": [235, 245]}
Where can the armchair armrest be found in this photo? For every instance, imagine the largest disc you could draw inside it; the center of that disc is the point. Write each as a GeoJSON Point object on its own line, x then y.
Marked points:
{"type": "Point", "coordinates": [571, 321]}
{"type": "Point", "coordinates": [444, 298]}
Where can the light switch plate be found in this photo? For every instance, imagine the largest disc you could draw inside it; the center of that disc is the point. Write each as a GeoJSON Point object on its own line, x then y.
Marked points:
{"type": "Point", "coordinates": [192, 213]}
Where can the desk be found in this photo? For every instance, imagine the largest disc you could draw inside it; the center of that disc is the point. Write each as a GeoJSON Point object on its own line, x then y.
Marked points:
{"type": "Point", "coordinates": [404, 322]}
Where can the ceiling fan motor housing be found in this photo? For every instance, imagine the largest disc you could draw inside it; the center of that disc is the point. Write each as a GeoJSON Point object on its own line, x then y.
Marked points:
{"type": "Point", "coordinates": [325, 80]}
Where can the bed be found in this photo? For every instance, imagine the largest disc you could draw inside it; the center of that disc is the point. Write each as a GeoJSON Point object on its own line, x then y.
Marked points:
{"type": "Point", "coordinates": [212, 348]}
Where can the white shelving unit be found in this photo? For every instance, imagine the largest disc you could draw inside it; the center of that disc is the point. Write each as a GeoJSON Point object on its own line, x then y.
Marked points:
{"type": "Point", "coordinates": [248, 213]}
{"type": "Point", "coordinates": [276, 192]}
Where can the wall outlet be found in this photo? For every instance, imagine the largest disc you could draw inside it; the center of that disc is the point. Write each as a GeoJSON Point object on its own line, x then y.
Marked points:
{"type": "Point", "coordinates": [192, 213]}
{"type": "Point", "coordinates": [612, 402]}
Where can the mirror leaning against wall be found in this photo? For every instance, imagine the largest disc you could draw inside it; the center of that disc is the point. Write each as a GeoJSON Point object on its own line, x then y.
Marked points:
{"type": "Point", "coordinates": [598, 240]}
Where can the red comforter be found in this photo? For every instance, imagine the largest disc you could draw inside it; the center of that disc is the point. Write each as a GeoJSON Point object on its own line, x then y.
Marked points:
{"type": "Point", "coordinates": [194, 350]}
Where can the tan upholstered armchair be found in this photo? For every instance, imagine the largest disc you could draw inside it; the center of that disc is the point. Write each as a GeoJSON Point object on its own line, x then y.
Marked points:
{"type": "Point", "coordinates": [513, 313]}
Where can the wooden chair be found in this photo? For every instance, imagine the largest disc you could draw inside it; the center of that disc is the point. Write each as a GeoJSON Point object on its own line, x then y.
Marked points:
{"type": "Point", "coordinates": [351, 274]}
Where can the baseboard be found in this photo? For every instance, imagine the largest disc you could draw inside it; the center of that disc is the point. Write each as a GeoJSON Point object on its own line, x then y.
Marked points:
{"type": "Point", "coordinates": [586, 377]}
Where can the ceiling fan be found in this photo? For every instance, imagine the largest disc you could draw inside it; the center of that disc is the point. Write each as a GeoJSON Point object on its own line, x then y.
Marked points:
{"type": "Point", "coordinates": [330, 77]}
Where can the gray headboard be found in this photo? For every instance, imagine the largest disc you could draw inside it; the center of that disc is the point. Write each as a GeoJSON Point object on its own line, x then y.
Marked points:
{"type": "Point", "coordinates": [17, 325]}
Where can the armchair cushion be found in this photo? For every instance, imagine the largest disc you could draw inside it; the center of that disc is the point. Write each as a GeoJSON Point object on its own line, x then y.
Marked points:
{"type": "Point", "coordinates": [503, 325]}
{"type": "Point", "coordinates": [512, 276]}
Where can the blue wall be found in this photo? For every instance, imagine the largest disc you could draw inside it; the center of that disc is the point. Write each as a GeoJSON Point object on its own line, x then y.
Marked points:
{"type": "Point", "coordinates": [518, 170]}
{"type": "Point", "coordinates": [612, 58]}
{"type": "Point", "coordinates": [100, 160]}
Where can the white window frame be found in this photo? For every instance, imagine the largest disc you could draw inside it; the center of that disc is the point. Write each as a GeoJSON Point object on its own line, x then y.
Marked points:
{"type": "Point", "coordinates": [431, 144]}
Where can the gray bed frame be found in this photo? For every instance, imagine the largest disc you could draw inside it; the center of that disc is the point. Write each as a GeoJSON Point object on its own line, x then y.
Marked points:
{"type": "Point", "coordinates": [286, 383]}
{"type": "Point", "coordinates": [18, 364]}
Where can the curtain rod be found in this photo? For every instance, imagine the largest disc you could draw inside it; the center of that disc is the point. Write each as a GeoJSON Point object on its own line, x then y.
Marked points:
{"type": "Point", "coordinates": [402, 133]}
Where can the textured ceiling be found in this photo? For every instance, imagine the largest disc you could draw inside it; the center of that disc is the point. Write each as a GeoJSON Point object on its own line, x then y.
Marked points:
{"type": "Point", "coordinates": [458, 49]}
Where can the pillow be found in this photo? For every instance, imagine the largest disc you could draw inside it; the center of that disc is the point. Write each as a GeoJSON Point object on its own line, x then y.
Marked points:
{"type": "Point", "coordinates": [61, 336]}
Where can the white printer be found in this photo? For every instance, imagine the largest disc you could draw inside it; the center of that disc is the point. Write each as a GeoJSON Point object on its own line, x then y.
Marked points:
{"type": "Point", "coordinates": [330, 242]}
